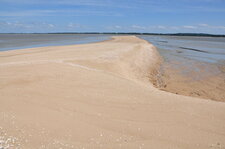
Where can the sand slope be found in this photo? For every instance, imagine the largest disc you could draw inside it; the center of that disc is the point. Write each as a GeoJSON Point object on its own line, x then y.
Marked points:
{"type": "Point", "coordinates": [99, 96]}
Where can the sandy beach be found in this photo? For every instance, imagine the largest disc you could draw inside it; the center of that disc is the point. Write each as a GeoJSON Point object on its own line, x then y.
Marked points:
{"type": "Point", "coordinates": [99, 96]}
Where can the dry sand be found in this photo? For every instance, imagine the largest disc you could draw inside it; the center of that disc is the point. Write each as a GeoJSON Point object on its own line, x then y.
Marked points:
{"type": "Point", "coordinates": [98, 96]}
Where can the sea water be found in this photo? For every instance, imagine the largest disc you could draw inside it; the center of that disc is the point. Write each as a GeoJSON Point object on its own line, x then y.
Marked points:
{"type": "Point", "coordinates": [192, 65]}
{"type": "Point", "coordinates": [21, 41]}
{"type": "Point", "coordinates": [206, 49]}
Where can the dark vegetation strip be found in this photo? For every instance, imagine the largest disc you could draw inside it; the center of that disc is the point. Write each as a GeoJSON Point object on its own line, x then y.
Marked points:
{"type": "Point", "coordinates": [131, 33]}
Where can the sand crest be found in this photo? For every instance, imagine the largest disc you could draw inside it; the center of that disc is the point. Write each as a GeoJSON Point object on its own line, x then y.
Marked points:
{"type": "Point", "coordinates": [99, 96]}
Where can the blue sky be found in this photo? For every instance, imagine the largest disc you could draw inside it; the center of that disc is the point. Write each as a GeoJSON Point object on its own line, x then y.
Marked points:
{"type": "Point", "coordinates": [155, 16]}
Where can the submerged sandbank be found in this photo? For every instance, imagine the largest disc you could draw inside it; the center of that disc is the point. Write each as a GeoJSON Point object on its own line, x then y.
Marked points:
{"type": "Point", "coordinates": [99, 96]}
{"type": "Point", "coordinates": [201, 79]}
{"type": "Point", "coordinates": [192, 66]}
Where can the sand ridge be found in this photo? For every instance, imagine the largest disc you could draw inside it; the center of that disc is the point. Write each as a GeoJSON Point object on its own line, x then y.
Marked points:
{"type": "Point", "coordinates": [99, 96]}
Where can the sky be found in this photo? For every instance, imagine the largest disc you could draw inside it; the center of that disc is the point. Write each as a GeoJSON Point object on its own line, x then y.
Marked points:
{"type": "Point", "coordinates": [153, 16]}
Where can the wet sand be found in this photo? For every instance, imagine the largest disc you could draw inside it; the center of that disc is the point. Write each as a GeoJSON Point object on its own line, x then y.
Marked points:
{"type": "Point", "coordinates": [99, 96]}
{"type": "Point", "coordinates": [192, 66]}
{"type": "Point", "coordinates": [205, 80]}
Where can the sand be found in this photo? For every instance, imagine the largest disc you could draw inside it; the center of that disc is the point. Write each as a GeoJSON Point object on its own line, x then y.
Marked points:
{"type": "Point", "coordinates": [207, 82]}
{"type": "Point", "coordinates": [98, 96]}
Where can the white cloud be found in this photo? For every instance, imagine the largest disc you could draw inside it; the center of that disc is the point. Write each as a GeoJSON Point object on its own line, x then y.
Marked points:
{"type": "Point", "coordinates": [51, 25]}
{"type": "Point", "coordinates": [203, 25]}
{"type": "Point", "coordinates": [114, 28]}
{"type": "Point", "coordinates": [73, 25]}
{"type": "Point", "coordinates": [199, 28]}
{"type": "Point", "coordinates": [211, 26]}
{"type": "Point", "coordinates": [161, 27]}
{"type": "Point", "coordinates": [9, 26]}
{"type": "Point", "coordinates": [76, 25]}
{"type": "Point", "coordinates": [221, 27]}
{"type": "Point", "coordinates": [17, 24]}
{"type": "Point", "coordinates": [174, 27]}
{"type": "Point", "coordinates": [118, 27]}
{"type": "Point", "coordinates": [138, 27]}
{"type": "Point", "coordinates": [190, 27]}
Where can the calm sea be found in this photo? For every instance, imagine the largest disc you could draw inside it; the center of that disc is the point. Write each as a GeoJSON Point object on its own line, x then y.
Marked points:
{"type": "Point", "coordinates": [205, 49]}
{"type": "Point", "coordinates": [21, 41]}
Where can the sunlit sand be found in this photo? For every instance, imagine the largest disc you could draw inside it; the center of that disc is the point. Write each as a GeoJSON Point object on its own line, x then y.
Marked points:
{"type": "Point", "coordinates": [97, 96]}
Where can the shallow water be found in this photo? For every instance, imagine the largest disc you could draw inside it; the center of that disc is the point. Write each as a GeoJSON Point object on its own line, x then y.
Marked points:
{"type": "Point", "coordinates": [205, 49]}
{"type": "Point", "coordinates": [184, 53]}
{"type": "Point", "coordinates": [21, 41]}
{"type": "Point", "coordinates": [193, 66]}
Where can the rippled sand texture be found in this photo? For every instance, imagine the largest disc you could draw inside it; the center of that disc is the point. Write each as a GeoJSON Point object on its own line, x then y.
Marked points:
{"type": "Point", "coordinates": [99, 96]}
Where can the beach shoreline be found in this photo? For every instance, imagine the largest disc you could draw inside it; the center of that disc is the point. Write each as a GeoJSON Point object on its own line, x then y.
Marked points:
{"type": "Point", "coordinates": [189, 77]}
{"type": "Point", "coordinates": [209, 86]}
{"type": "Point", "coordinates": [99, 95]}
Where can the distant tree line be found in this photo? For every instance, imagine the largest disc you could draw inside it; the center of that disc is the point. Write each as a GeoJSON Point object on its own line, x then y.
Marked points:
{"type": "Point", "coordinates": [136, 33]}
{"type": "Point", "coordinates": [133, 33]}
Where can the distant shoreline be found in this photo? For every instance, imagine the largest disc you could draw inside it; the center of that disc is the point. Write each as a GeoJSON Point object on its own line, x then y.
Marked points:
{"type": "Point", "coordinates": [133, 33]}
